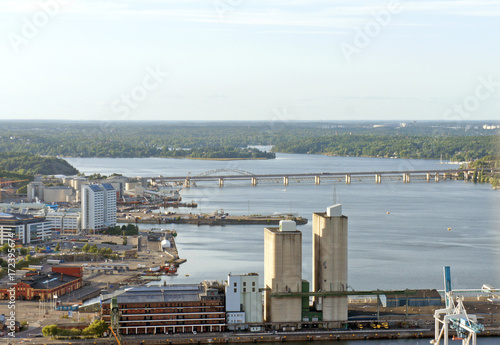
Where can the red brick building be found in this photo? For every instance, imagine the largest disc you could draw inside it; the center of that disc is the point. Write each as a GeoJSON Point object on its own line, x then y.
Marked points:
{"type": "Point", "coordinates": [169, 309]}
{"type": "Point", "coordinates": [60, 281]}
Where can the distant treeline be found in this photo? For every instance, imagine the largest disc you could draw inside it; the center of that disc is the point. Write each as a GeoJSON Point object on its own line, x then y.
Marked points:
{"type": "Point", "coordinates": [450, 148]}
{"type": "Point", "coordinates": [456, 141]}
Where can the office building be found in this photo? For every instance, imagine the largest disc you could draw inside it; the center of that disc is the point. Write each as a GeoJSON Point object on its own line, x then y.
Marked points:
{"type": "Point", "coordinates": [243, 302]}
{"type": "Point", "coordinates": [24, 229]}
{"type": "Point", "coordinates": [330, 263]}
{"type": "Point", "coordinates": [282, 272]}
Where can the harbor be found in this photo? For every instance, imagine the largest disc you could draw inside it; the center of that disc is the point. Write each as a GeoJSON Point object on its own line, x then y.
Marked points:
{"type": "Point", "coordinates": [214, 218]}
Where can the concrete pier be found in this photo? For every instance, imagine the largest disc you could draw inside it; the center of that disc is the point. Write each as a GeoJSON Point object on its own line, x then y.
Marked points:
{"type": "Point", "coordinates": [221, 182]}
{"type": "Point", "coordinates": [378, 178]}
{"type": "Point", "coordinates": [254, 181]}
{"type": "Point", "coordinates": [285, 180]}
{"type": "Point", "coordinates": [347, 179]}
{"type": "Point", "coordinates": [317, 180]}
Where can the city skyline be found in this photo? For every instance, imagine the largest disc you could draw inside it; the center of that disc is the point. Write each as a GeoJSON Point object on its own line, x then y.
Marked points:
{"type": "Point", "coordinates": [237, 60]}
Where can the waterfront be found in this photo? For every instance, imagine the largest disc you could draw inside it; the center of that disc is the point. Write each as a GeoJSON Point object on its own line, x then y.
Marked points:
{"type": "Point", "coordinates": [404, 249]}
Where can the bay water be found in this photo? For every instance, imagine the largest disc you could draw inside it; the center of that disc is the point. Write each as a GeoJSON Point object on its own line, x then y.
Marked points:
{"type": "Point", "coordinates": [400, 234]}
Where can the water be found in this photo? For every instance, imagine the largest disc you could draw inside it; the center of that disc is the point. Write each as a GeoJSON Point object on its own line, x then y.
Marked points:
{"type": "Point", "coordinates": [406, 248]}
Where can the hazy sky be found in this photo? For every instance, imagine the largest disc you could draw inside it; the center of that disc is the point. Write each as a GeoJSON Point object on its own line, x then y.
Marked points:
{"type": "Point", "coordinates": [250, 60]}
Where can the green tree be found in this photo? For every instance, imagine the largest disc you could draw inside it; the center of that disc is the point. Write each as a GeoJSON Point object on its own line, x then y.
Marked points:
{"type": "Point", "coordinates": [86, 248]}
{"type": "Point", "coordinates": [28, 257]}
{"type": "Point", "coordinates": [96, 328]}
{"type": "Point", "coordinates": [23, 251]}
{"type": "Point", "coordinates": [125, 241]}
{"type": "Point", "coordinates": [58, 247]}
{"type": "Point", "coordinates": [50, 331]}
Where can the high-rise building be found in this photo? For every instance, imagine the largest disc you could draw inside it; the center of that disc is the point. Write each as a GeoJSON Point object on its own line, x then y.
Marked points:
{"type": "Point", "coordinates": [243, 300]}
{"type": "Point", "coordinates": [330, 262]}
{"type": "Point", "coordinates": [109, 205]}
{"type": "Point", "coordinates": [92, 208]}
{"type": "Point", "coordinates": [282, 272]}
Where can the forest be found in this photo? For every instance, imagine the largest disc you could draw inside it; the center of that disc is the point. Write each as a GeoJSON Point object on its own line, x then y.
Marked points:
{"type": "Point", "coordinates": [459, 141]}
{"type": "Point", "coordinates": [20, 165]}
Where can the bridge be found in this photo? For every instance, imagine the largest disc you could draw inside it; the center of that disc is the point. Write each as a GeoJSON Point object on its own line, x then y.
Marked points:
{"type": "Point", "coordinates": [223, 175]}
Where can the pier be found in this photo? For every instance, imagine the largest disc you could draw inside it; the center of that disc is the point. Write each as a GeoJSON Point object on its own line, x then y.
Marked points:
{"type": "Point", "coordinates": [221, 176]}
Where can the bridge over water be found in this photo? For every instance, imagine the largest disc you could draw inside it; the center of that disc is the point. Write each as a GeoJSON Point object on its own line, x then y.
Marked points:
{"type": "Point", "coordinates": [221, 176]}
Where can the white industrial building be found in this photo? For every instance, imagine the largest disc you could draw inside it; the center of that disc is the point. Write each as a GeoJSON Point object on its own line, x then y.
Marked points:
{"type": "Point", "coordinates": [243, 302]}
{"type": "Point", "coordinates": [24, 229]}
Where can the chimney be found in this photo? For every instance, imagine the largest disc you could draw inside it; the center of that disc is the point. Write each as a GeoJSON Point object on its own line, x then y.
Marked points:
{"type": "Point", "coordinates": [62, 276]}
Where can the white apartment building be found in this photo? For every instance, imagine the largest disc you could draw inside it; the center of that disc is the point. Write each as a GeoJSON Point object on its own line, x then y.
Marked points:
{"type": "Point", "coordinates": [98, 207]}
{"type": "Point", "coordinates": [65, 222]}
{"type": "Point", "coordinates": [109, 204]}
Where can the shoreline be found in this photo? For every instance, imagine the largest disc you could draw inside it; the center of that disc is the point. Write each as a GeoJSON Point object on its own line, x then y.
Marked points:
{"type": "Point", "coordinates": [230, 337]}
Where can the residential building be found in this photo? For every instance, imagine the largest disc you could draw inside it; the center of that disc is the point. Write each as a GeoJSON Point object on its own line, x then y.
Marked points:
{"type": "Point", "coordinates": [23, 228]}
{"type": "Point", "coordinates": [66, 222]}
{"type": "Point", "coordinates": [109, 205]}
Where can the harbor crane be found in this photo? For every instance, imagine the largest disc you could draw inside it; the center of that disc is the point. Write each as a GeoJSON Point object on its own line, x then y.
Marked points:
{"type": "Point", "coordinates": [454, 316]}
{"type": "Point", "coordinates": [7, 182]}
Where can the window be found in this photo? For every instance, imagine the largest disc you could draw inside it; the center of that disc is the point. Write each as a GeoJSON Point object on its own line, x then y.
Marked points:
{"type": "Point", "coordinates": [253, 289]}
{"type": "Point", "coordinates": [244, 283]}
{"type": "Point", "coordinates": [235, 290]}
{"type": "Point", "coordinates": [244, 289]}
{"type": "Point", "coordinates": [235, 284]}
{"type": "Point", "coordinates": [253, 283]}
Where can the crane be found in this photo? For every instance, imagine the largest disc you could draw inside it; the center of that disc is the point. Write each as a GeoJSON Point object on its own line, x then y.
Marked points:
{"type": "Point", "coordinates": [6, 182]}
{"type": "Point", "coordinates": [455, 316]}
{"type": "Point", "coordinates": [115, 319]}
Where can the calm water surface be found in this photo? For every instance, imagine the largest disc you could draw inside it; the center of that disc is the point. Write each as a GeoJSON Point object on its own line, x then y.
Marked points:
{"type": "Point", "coordinates": [406, 248]}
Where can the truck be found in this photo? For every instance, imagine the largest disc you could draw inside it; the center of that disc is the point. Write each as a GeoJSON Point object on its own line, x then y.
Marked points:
{"type": "Point", "coordinates": [36, 267]}
{"type": "Point", "coordinates": [54, 262]}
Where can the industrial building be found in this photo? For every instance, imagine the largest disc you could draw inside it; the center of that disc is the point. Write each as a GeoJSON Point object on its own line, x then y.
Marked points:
{"type": "Point", "coordinates": [182, 308]}
{"type": "Point", "coordinates": [243, 302]}
{"type": "Point", "coordinates": [60, 281]}
{"type": "Point", "coordinates": [329, 270]}
{"type": "Point", "coordinates": [283, 272]}
{"type": "Point", "coordinates": [286, 302]}
{"type": "Point", "coordinates": [23, 228]}
{"type": "Point", "coordinates": [98, 207]}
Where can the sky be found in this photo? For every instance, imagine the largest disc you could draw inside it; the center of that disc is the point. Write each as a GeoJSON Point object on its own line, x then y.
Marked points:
{"type": "Point", "coordinates": [250, 60]}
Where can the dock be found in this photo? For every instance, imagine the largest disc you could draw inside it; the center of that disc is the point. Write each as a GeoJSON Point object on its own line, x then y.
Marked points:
{"type": "Point", "coordinates": [207, 219]}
